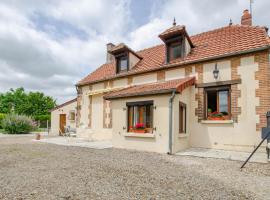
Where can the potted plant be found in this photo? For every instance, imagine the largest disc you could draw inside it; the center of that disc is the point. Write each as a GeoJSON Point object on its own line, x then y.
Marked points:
{"type": "Point", "coordinates": [216, 116]}
{"type": "Point", "coordinates": [139, 128]}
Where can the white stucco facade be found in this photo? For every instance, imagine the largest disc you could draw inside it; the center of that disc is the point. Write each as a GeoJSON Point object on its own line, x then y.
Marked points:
{"type": "Point", "coordinates": [228, 134]}
{"type": "Point", "coordinates": [65, 110]}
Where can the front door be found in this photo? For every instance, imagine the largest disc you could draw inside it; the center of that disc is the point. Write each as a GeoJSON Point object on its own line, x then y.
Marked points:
{"type": "Point", "coordinates": [62, 123]}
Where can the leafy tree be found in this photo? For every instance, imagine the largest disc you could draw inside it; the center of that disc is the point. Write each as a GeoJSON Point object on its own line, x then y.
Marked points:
{"type": "Point", "coordinates": [30, 104]}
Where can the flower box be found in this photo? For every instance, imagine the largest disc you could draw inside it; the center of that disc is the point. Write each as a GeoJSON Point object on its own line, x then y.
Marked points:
{"type": "Point", "coordinates": [139, 131]}
{"type": "Point", "coordinates": [217, 115]}
{"type": "Point", "coordinates": [139, 128]}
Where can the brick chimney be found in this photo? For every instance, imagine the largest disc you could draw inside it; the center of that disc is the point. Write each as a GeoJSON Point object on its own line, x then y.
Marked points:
{"type": "Point", "coordinates": [110, 57]}
{"type": "Point", "coordinates": [246, 18]}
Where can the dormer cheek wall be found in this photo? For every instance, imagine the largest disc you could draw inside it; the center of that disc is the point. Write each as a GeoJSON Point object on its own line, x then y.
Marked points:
{"type": "Point", "coordinates": [133, 60]}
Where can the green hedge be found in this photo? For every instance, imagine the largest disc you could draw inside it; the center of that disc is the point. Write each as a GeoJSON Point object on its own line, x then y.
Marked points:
{"type": "Point", "coordinates": [42, 117]}
{"type": "Point", "coordinates": [18, 124]}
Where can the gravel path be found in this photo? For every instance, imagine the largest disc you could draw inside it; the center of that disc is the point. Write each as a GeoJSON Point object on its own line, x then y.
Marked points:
{"type": "Point", "coordinates": [31, 170]}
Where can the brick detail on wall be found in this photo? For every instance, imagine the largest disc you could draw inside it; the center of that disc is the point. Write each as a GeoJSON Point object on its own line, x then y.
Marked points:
{"type": "Point", "coordinates": [79, 108]}
{"type": "Point", "coordinates": [130, 80]}
{"type": "Point", "coordinates": [263, 91]}
{"type": "Point", "coordinates": [107, 114]}
{"type": "Point", "coordinates": [108, 84]}
{"type": "Point", "coordinates": [235, 92]}
{"type": "Point", "coordinates": [160, 76]}
{"type": "Point", "coordinates": [90, 112]}
{"type": "Point", "coordinates": [188, 70]}
{"type": "Point", "coordinates": [199, 95]}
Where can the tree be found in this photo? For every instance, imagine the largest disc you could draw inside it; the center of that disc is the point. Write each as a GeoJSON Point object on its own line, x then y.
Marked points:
{"type": "Point", "coordinates": [30, 104]}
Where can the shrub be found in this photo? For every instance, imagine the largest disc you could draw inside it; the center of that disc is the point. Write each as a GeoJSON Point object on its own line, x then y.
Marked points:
{"type": "Point", "coordinates": [2, 116]}
{"type": "Point", "coordinates": [18, 124]}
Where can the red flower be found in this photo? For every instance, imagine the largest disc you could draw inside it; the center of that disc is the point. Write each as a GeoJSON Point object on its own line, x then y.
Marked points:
{"type": "Point", "coordinates": [140, 126]}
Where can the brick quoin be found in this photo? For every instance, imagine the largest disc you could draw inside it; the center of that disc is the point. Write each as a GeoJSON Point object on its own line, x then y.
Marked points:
{"type": "Point", "coordinates": [235, 92]}
{"type": "Point", "coordinates": [263, 91]}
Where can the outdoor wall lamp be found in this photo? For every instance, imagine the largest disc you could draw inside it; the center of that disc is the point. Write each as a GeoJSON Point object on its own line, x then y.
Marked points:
{"type": "Point", "coordinates": [216, 72]}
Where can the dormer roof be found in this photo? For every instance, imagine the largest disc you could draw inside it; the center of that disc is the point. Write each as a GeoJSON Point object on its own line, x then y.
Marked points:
{"type": "Point", "coordinates": [121, 48]}
{"type": "Point", "coordinates": [175, 31]}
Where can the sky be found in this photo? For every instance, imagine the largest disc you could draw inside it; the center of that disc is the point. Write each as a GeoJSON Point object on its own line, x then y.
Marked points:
{"type": "Point", "coordinates": [49, 45]}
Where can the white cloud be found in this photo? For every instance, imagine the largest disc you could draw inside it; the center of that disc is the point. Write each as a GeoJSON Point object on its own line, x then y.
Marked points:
{"type": "Point", "coordinates": [49, 45]}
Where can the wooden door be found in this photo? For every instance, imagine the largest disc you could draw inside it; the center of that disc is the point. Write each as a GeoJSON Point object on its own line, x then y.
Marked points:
{"type": "Point", "coordinates": [62, 123]}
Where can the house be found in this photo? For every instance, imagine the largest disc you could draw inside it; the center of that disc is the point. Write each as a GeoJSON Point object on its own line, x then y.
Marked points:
{"type": "Point", "coordinates": [63, 116]}
{"type": "Point", "coordinates": [209, 90]}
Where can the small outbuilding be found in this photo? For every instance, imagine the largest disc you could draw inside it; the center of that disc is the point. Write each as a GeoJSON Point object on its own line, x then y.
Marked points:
{"type": "Point", "coordinates": [63, 116]}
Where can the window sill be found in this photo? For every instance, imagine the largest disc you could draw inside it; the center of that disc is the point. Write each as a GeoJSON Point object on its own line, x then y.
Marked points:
{"type": "Point", "coordinates": [140, 135]}
{"type": "Point", "coordinates": [182, 135]}
{"type": "Point", "coordinates": [217, 122]}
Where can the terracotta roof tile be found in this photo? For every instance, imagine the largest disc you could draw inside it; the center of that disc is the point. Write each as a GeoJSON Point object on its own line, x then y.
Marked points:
{"type": "Point", "coordinates": [172, 30]}
{"type": "Point", "coordinates": [208, 45]}
{"type": "Point", "coordinates": [152, 88]}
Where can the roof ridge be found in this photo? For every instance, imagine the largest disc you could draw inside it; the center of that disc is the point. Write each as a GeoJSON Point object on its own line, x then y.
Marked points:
{"type": "Point", "coordinates": [228, 26]}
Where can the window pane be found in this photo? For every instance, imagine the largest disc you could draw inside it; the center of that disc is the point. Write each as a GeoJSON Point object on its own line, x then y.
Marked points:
{"type": "Point", "coordinates": [148, 118]}
{"type": "Point", "coordinates": [212, 101]}
{"type": "Point", "coordinates": [223, 102]}
{"type": "Point", "coordinates": [123, 63]}
{"type": "Point", "coordinates": [182, 118]}
{"type": "Point", "coordinates": [176, 51]}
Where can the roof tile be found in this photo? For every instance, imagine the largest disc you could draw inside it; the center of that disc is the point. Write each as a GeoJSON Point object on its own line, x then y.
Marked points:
{"type": "Point", "coordinates": [208, 45]}
{"type": "Point", "coordinates": [152, 88]}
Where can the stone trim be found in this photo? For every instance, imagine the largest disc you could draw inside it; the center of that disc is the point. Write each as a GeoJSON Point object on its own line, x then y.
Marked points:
{"type": "Point", "coordinates": [219, 83]}
{"type": "Point", "coordinates": [263, 91]}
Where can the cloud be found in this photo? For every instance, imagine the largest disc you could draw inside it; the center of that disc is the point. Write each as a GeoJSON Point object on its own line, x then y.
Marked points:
{"type": "Point", "coordinates": [41, 46]}
{"type": "Point", "coordinates": [49, 45]}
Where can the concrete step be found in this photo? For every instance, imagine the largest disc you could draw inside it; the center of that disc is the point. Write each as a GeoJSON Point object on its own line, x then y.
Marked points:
{"type": "Point", "coordinates": [258, 157]}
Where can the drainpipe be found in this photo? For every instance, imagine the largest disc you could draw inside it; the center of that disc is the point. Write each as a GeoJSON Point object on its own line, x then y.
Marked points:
{"type": "Point", "coordinates": [170, 121]}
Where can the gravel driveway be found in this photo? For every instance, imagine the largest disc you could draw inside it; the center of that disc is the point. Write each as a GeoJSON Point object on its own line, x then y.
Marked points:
{"type": "Point", "coordinates": [31, 170]}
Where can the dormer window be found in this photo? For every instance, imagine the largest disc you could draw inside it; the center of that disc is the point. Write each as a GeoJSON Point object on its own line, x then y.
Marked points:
{"type": "Point", "coordinates": [178, 43]}
{"type": "Point", "coordinates": [174, 50]}
{"type": "Point", "coordinates": [122, 63]}
{"type": "Point", "coordinates": [125, 58]}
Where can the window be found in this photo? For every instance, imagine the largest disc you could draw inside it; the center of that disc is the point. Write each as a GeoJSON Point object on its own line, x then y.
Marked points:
{"type": "Point", "coordinates": [140, 117]}
{"type": "Point", "coordinates": [218, 103]}
{"type": "Point", "coordinates": [71, 116]}
{"type": "Point", "coordinates": [122, 63]}
{"type": "Point", "coordinates": [182, 117]}
{"type": "Point", "coordinates": [174, 50]}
